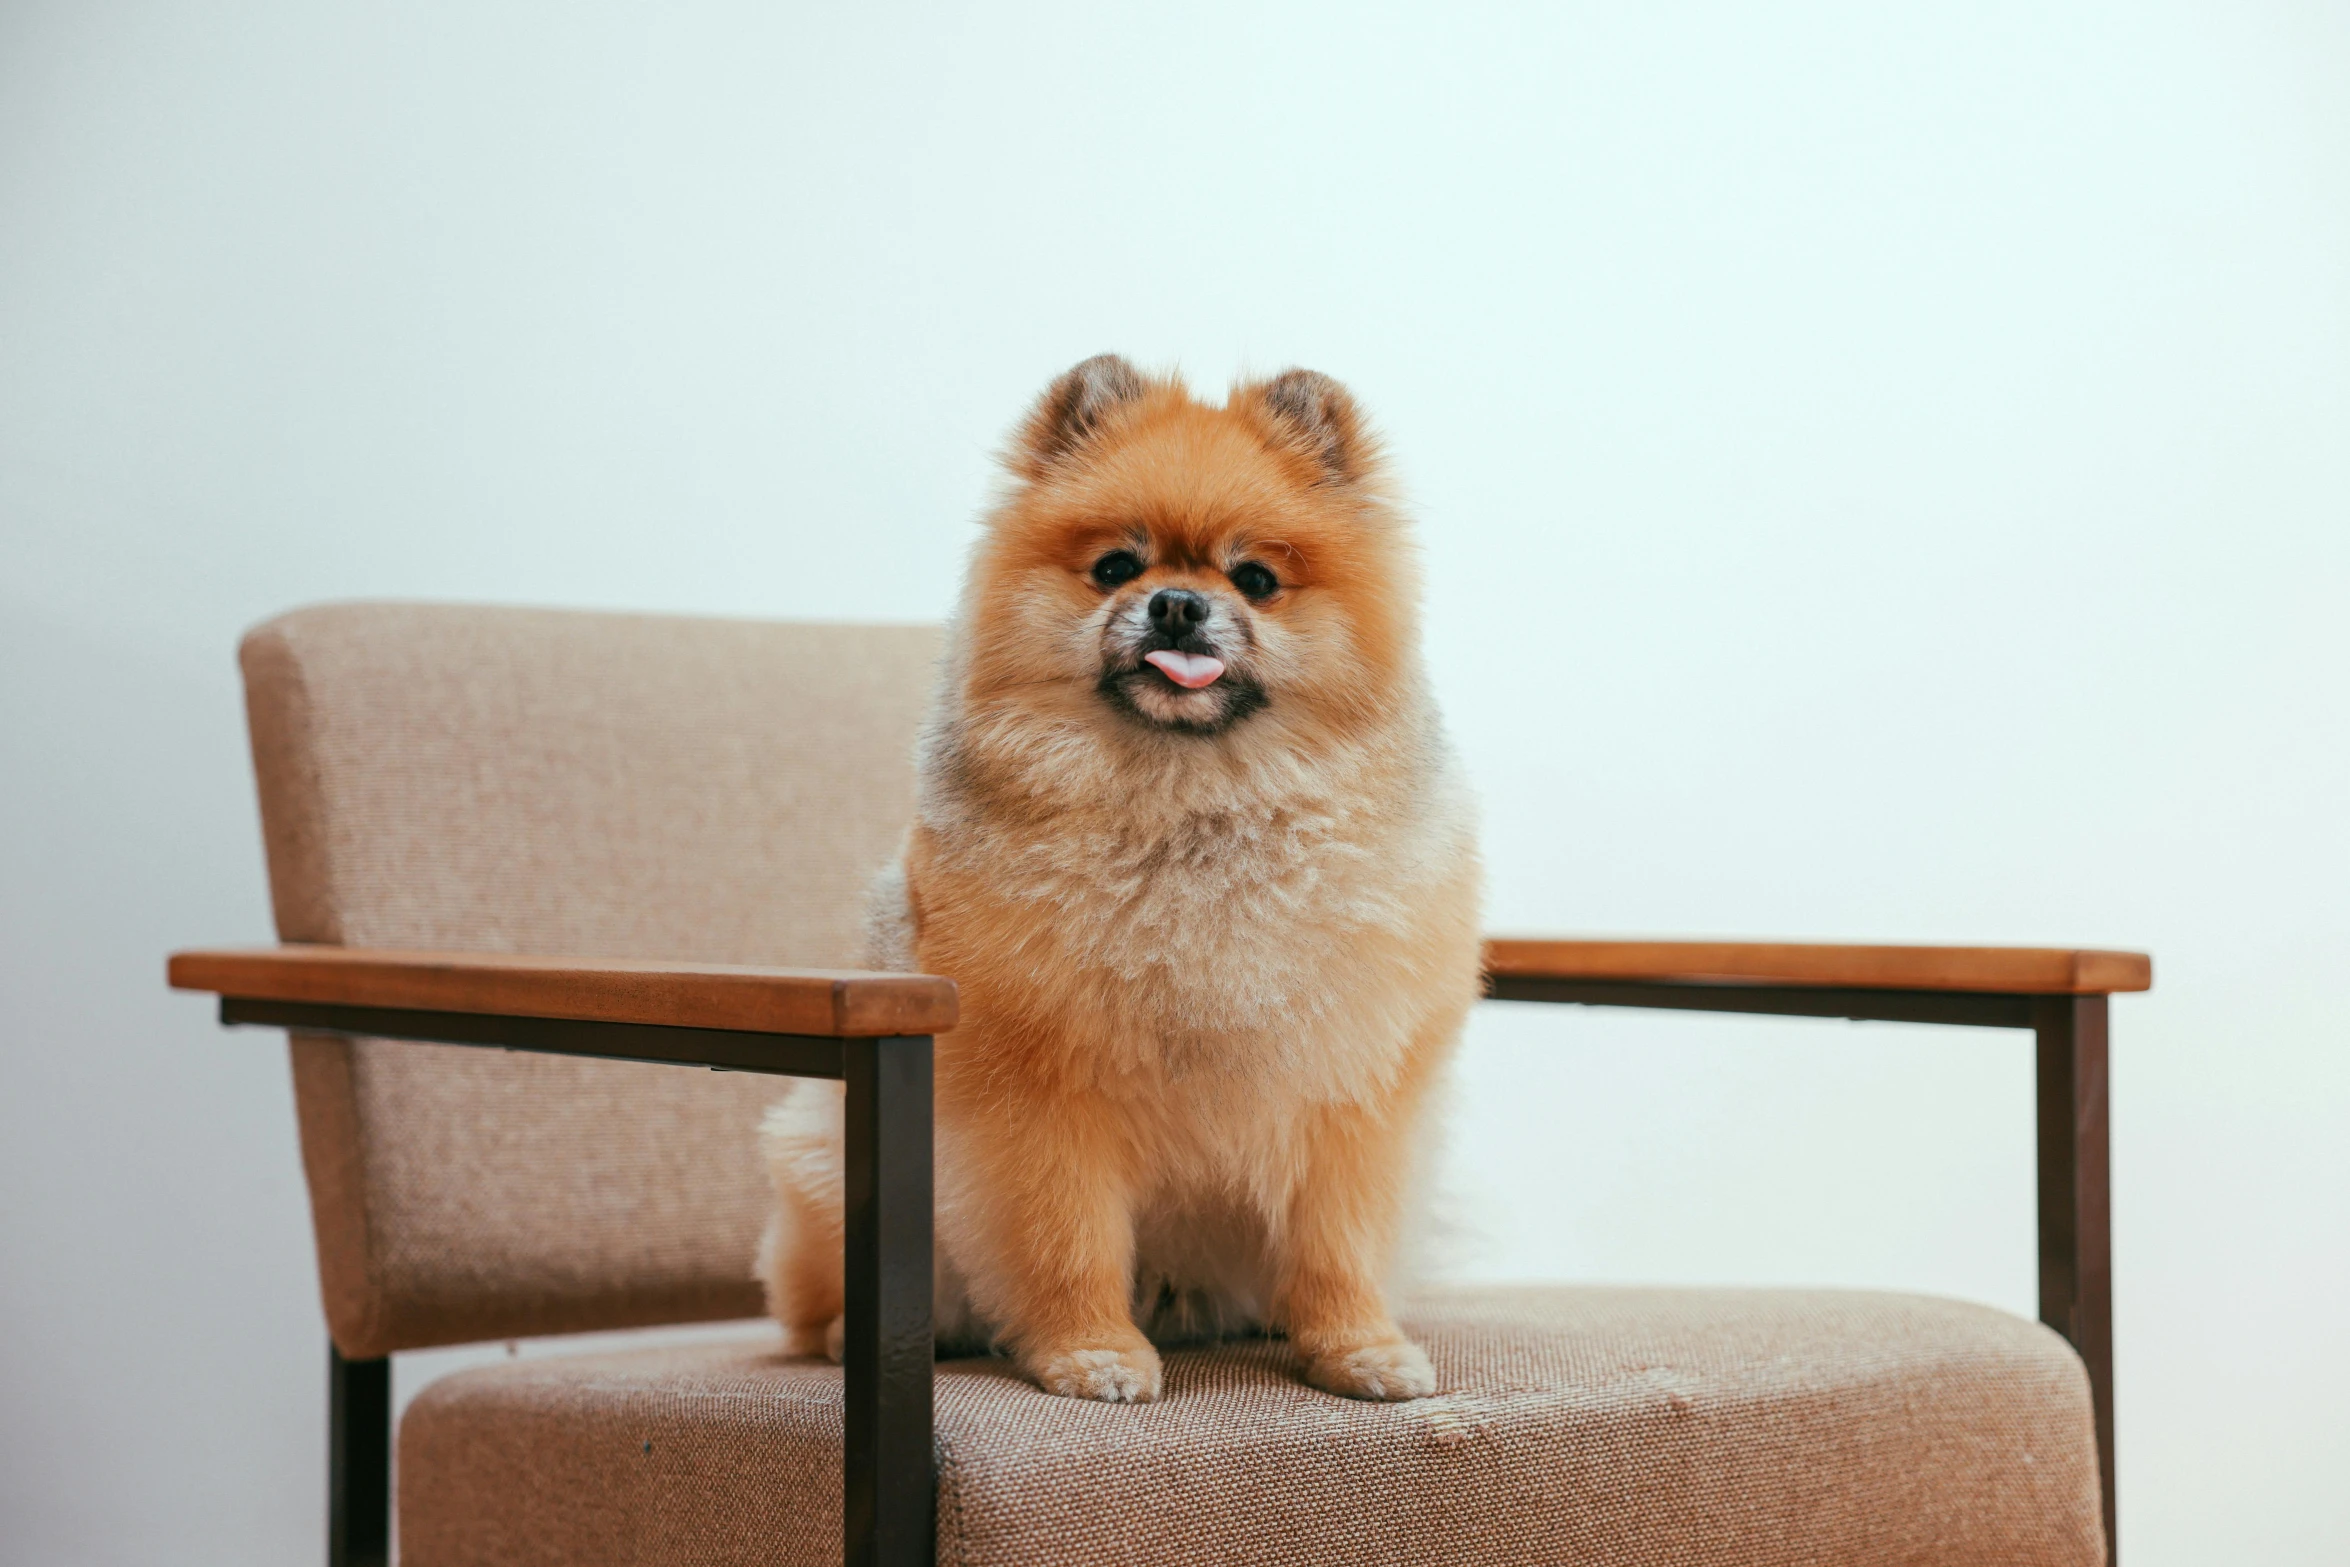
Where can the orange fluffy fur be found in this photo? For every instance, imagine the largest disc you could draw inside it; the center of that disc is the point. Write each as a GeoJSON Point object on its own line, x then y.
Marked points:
{"type": "Point", "coordinates": [1214, 946]}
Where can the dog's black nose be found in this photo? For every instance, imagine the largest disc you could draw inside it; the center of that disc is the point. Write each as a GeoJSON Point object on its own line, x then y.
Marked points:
{"type": "Point", "coordinates": [1176, 611]}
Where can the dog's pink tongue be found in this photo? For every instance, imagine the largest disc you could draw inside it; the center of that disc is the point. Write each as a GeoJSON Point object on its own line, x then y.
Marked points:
{"type": "Point", "coordinates": [1188, 670]}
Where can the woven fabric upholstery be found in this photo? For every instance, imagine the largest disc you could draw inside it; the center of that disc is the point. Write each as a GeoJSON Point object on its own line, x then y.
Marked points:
{"type": "Point", "coordinates": [501, 780]}
{"type": "Point", "coordinates": [1632, 1428]}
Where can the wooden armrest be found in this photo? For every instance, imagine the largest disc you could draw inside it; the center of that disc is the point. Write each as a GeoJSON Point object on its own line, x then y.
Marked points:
{"type": "Point", "coordinates": [2048, 971]}
{"type": "Point", "coordinates": [842, 1004]}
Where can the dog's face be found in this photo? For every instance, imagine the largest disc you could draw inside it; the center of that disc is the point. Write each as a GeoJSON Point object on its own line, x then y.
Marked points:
{"type": "Point", "coordinates": [1186, 569]}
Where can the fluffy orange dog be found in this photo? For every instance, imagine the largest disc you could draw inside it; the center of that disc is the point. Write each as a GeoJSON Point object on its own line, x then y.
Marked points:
{"type": "Point", "coordinates": [1193, 846]}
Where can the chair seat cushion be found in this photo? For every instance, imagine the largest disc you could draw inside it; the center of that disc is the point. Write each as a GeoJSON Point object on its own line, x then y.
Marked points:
{"type": "Point", "coordinates": [1619, 1426]}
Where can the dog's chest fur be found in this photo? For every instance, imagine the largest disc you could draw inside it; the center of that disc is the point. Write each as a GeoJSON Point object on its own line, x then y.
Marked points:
{"type": "Point", "coordinates": [1222, 926]}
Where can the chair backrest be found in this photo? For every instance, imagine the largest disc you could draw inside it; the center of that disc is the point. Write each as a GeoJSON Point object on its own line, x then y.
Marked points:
{"type": "Point", "coordinates": [507, 780]}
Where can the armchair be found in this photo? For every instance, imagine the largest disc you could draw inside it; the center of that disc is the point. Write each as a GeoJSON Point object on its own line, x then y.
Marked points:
{"type": "Point", "coordinates": [446, 791]}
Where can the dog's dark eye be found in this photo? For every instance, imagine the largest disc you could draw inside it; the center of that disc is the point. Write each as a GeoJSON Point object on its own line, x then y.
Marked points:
{"type": "Point", "coordinates": [1116, 567]}
{"type": "Point", "coordinates": [1254, 580]}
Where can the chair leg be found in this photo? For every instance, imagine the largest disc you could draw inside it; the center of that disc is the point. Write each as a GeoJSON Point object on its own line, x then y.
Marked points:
{"type": "Point", "coordinates": [2076, 1246]}
{"type": "Point", "coordinates": [887, 1348]}
{"type": "Point", "coordinates": [358, 1461]}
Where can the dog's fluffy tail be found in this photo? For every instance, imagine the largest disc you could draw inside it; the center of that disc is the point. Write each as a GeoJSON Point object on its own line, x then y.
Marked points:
{"type": "Point", "coordinates": [800, 1255]}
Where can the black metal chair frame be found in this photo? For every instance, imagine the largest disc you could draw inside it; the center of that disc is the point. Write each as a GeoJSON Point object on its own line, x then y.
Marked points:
{"type": "Point", "coordinates": [886, 1456]}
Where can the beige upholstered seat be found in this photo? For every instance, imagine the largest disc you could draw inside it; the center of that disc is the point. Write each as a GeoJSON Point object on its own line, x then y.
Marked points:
{"type": "Point", "coordinates": [618, 786]}
{"type": "Point", "coordinates": [1582, 1426]}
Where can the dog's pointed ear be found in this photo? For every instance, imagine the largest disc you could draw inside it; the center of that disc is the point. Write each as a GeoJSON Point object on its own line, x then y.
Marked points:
{"type": "Point", "coordinates": [1315, 417]}
{"type": "Point", "coordinates": [1071, 411]}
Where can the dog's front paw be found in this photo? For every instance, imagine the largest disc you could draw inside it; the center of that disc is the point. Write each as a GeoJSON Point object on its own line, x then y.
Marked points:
{"type": "Point", "coordinates": [1128, 1375]}
{"type": "Point", "coordinates": [1393, 1370]}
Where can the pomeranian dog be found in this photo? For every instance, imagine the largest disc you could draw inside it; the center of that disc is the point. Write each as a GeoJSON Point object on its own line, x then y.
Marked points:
{"type": "Point", "coordinates": [1192, 844]}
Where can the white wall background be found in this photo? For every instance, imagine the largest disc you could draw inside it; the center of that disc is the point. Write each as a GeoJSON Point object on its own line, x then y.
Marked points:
{"type": "Point", "coordinates": [1886, 475]}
